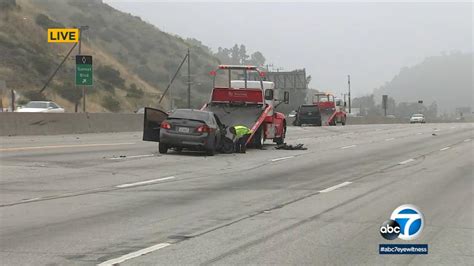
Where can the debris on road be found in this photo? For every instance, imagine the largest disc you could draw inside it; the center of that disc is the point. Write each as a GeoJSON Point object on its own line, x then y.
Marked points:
{"type": "Point", "coordinates": [285, 146]}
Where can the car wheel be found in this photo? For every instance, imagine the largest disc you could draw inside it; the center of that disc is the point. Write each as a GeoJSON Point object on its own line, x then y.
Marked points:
{"type": "Point", "coordinates": [211, 152]}
{"type": "Point", "coordinates": [281, 140]}
{"type": "Point", "coordinates": [257, 138]}
{"type": "Point", "coordinates": [227, 146]}
{"type": "Point", "coordinates": [162, 148]}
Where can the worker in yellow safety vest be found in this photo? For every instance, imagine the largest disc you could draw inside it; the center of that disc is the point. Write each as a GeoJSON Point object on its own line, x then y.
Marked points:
{"type": "Point", "coordinates": [241, 135]}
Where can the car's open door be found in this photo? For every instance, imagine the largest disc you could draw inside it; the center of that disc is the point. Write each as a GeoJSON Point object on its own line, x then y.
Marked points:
{"type": "Point", "coordinates": [151, 124]}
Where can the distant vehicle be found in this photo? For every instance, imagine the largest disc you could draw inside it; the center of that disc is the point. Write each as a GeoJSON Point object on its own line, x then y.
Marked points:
{"type": "Point", "coordinates": [184, 129]}
{"type": "Point", "coordinates": [41, 107]}
{"type": "Point", "coordinates": [308, 114]}
{"type": "Point", "coordinates": [417, 118]}
{"type": "Point", "coordinates": [292, 113]}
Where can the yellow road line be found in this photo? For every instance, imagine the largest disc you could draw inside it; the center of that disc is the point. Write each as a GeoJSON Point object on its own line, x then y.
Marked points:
{"type": "Point", "coordinates": [64, 146]}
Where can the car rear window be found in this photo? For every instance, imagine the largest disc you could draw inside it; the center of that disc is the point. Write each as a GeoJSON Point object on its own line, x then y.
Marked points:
{"type": "Point", "coordinates": [309, 108]}
{"type": "Point", "coordinates": [190, 114]}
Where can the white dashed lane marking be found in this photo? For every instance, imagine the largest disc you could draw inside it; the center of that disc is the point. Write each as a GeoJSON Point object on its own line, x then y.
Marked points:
{"type": "Point", "coordinates": [406, 161]}
{"type": "Point", "coordinates": [135, 254]}
{"type": "Point", "coordinates": [282, 158]}
{"type": "Point", "coordinates": [64, 146]}
{"type": "Point", "coordinates": [329, 189]}
{"type": "Point", "coordinates": [348, 147]}
{"type": "Point", "coordinates": [145, 182]}
{"type": "Point", "coordinates": [445, 148]}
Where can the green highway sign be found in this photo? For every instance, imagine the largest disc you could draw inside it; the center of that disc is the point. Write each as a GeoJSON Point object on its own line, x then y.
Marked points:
{"type": "Point", "coordinates": [84, 70]}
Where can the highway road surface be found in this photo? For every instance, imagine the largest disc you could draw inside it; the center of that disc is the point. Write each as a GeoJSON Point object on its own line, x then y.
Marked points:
{"type": "Point", "coordinates": [110, 198]}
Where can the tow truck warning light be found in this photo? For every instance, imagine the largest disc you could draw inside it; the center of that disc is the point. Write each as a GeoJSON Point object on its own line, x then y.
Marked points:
{"type": "Point", "coordinates": [238, 67]}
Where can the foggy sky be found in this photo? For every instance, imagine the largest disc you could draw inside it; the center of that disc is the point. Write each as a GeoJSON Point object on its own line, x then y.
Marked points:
{"type": "Point", "coordinates": [369, 41]}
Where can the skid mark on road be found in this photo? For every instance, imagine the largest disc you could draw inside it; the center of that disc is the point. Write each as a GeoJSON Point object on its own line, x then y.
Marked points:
{"type": "Point", "coordinates": [132, 157]}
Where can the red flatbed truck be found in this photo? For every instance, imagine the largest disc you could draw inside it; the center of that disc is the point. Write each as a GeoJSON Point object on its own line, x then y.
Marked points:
{"type": "Point", "coordinates": [248, 102]}
{"type": "Point", "coordinates": [332, 109]}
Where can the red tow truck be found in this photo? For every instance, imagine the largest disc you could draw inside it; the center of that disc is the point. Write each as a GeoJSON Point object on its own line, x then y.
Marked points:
{"type": "Point", "coordinates": [247, 102]}
{"type": "Point", "coordinates": [332, 109]}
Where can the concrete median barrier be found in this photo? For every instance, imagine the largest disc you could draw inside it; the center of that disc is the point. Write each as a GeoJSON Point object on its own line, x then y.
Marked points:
{"type": "Point", "coordinates": [17, 124]}
{"type": "Point", "coordinates": [375, 120]}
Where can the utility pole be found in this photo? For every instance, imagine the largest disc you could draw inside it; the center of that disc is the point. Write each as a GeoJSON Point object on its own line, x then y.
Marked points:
{"type": "Point", "coordinates": [189, 80]}
{"type": "Point", "coordinates": [174, 77]}
{"type": "Point", "coordinates": [349, 85]}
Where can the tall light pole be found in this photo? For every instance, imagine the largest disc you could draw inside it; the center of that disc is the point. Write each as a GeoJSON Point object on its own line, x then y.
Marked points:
{"type": "Point", "coordinates": [189, 80]}
{"type": "Point", "coordinates": [349, 86]}
{"type": "Point", "coordinates": [81, 28]}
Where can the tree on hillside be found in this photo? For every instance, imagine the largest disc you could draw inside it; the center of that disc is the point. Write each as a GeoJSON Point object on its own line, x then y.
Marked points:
{"type": "Point", "coordinates": [243, 55]}
{"type": "Point", "coordinates": [223, 54]}
{"type": "Point", "coordinates": [237, 55]}
{"type": "Point", "coordinates": [257, 59]}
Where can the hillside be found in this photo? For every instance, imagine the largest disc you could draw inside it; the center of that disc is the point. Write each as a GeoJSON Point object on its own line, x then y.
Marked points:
{"type": "Point", "coordinates": [446, 79]}
{"type": "Point", "coordinates": [133, 60]}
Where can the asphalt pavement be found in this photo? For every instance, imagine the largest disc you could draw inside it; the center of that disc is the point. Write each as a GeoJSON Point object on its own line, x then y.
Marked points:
{"type": "Point", "coordinates": [111, 198]}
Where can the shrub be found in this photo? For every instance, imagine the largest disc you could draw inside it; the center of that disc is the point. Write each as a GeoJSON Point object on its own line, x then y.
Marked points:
{"type": "Point", "coordinates": [45, 22]}
{"type": "Point", "coordinates": [110, 75]}
{"type": "Point", "coordinates": [134, 92]}
{"type": "Point", "coordinates": [110, 103]}
{"type": "Point", "coordinates": [34, 96]}
{"type": "Point", "coordinates": [69, 92]}
{"type": "Point", "coordinates": [41, 64]}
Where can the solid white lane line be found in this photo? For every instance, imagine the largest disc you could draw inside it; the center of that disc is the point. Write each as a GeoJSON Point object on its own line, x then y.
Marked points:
{"type": "Point", "coordinates": [334, 187]}
{"type": "Point", "coordinates": [64, 146]}
{"type": "Point", "coordinates": [131, 157]}
{"type": "Point", "coordinates": [466, 140]}
{"type": "Point", "coordinates": [134, 254]}
{"type": "Point", "coordinates": [407, 161]}
{"type": "Point", "coordinates": [282, 158]}
{"type": "Point", "coordinates": [347, 147]}
{"type": "Point", "coordinates": [389, 139]}
{"type": "Point", "coordinates": [145, 182]}
{"type": "Point", "coordinates": [445, 148]}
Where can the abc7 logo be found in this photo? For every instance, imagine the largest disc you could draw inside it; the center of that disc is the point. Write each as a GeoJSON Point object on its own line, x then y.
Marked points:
{"type": "Point", "coordinates": [406, 223]}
